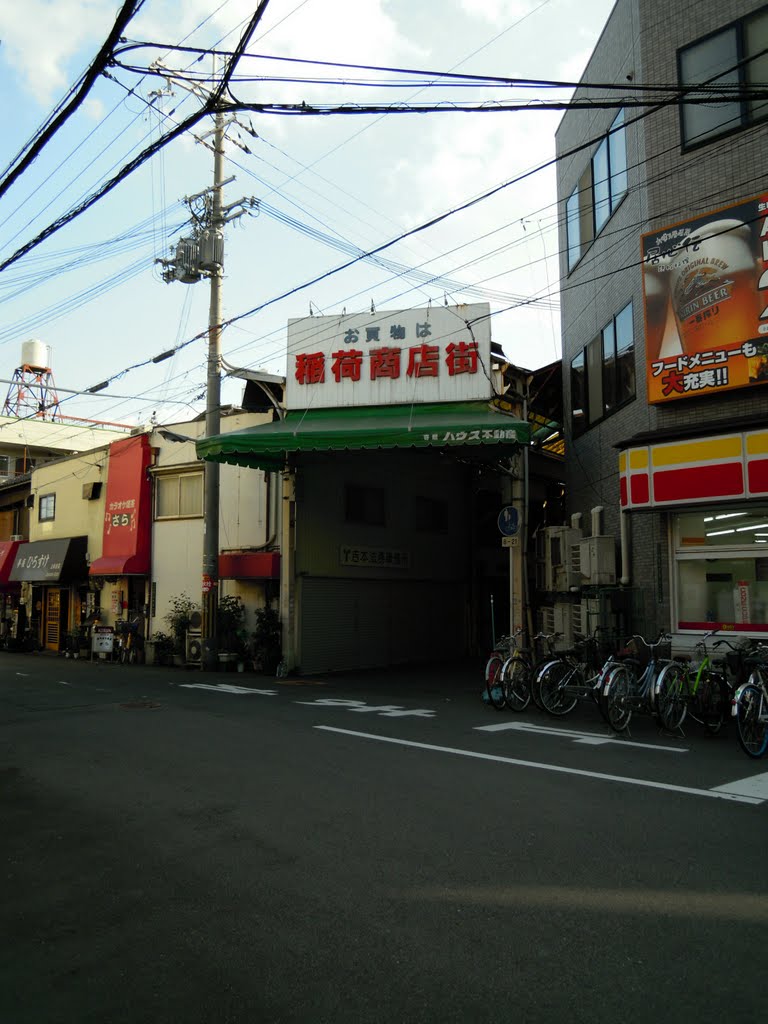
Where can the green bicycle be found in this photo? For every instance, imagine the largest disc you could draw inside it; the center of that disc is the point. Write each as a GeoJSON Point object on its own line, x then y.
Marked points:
{"type": "Point", "coordinates": [698, 689]}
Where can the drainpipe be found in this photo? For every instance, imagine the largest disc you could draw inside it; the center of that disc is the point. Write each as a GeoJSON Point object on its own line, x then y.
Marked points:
{"type": "Point", "coordinates": [624, 533]}
{"type": "Point", "coordinates": [597, 519]}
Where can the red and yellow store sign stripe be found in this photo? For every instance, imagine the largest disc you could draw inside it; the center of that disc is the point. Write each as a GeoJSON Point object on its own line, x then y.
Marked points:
{"type": "Point", "coordinates": [703, 469]}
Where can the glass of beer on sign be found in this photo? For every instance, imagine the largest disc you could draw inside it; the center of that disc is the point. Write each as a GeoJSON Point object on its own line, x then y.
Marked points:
{"type": "Point", "coordinates": [713, 285]}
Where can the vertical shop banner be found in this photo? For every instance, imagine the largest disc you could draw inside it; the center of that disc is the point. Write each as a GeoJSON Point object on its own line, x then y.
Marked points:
{"type": "Point", "coordinates": [390, 357]}
{"type": "Point", "coordinates": [705, 286]}
{"type": "Point", "coordinates": [127, 512]}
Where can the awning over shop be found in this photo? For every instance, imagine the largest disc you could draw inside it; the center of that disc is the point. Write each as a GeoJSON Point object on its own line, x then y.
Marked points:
{"type": "Point", "coordinates": [120, 565]}
{"type": "Point", "coordinates": [249, 565]}
{"type": "Point", "coordinates": [726, 467]}
{"type": "Point", "coordinates": [51, 561]}
{"type": "Point", "coordinates": [8, 549]}
{"type": "Point", "coordinates": [455, 425]}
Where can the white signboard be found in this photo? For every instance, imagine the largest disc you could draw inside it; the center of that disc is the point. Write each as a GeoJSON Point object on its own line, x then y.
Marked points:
{"type": "Point", "coordinates": [390, 357]}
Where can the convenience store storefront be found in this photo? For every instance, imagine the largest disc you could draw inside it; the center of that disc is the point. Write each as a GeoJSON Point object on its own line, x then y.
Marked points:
{"type": "Point", "coordinates": [713, 492]}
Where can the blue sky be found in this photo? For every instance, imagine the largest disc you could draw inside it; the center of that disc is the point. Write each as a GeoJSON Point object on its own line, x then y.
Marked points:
{"type": "Point", "coordinates": [93, 291]}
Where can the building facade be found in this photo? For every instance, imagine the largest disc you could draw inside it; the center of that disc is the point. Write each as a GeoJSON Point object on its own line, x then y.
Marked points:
{"type": "Point", "coordinates": [664, 263]}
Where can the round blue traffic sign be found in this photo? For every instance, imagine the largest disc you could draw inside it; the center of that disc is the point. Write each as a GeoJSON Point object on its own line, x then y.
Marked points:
{"type": "Point", "coordinates": [509, 521]}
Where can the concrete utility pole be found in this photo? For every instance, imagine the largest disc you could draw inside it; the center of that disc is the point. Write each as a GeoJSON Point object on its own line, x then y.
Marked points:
{"type": "Point", "coordinates": [213, 418]}
{"type": "Point", "coordinates": [198, 256]}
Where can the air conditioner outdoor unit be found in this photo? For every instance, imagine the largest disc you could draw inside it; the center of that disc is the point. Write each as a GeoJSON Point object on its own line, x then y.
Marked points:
{"type": "Point", "coordinates": [194, 647]}
{"type": "Point", "coordinates": [92, 491]}
{"type": "Point", "coordinates": [559, 574]}
{"type": "Point", "coordinates": [597, 560]}
{"type": "Point", "coordinates": [17, 536]}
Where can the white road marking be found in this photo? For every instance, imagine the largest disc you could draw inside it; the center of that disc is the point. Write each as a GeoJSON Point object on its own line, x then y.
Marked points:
{"type": "Point", "coordinates": [227, 688]}
{"type": "Point", "coordinates": [560, 769]}
{"type": "Point", "coordinates": [591, 739]}
{"type": "Point", "coordinates": [62, 683]}
{"type": "Point", "coordinates": [24, 674]}
{"type": "Point", "coordinates": [385, 710]}
{"type": "Point", "coordinates": [753, 785]}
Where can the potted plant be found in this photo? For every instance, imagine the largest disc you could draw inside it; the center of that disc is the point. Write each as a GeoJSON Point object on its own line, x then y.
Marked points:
{"type": "Point", "coordinates": [179, 619]}
{"type": "Point", "coordinates": [232, 637]}
{"type": "Point", "coordinates": [267, 640]}
{"type": "Point", "coordinates": [159, 649]}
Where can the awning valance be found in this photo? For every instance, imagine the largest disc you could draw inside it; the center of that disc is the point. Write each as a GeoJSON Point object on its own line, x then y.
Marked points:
{"type": "Point", "coordinates": [51, 561]}
{"type": "Point", "coordinates": [121, 565]}
{"type": "Point", "coordinates": [454, 425]}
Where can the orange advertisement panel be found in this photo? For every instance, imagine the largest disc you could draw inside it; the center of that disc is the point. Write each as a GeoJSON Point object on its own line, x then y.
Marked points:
{"type": "Point", "coordinates": [705, 290]}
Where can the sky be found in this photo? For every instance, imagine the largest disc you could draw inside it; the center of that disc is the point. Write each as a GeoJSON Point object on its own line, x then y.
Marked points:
{"type": "Point", "coordinates": [326, 188]}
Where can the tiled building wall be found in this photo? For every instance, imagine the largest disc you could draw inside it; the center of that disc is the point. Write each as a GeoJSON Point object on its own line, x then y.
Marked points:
{"type": "Point", "coordinates": [639, 45]}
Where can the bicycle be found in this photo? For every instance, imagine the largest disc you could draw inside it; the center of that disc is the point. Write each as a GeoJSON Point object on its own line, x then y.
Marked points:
{"type": "Point", "coordinates": [518, 671]}
{"type": "Point", "coordinates": [130, 642]}
{"type": "Point", "coordinates": [750, 709]}
{"type": "Point", "coordinates": [624, 691]}
{"type": "Point", "coordinates": [705, 694]}
{"type": "Point", "coordinates": [502, 650]}
{"type": "Point", "coordinates": [573, 675]}
{"type": "Point", "coordinates": [545, 643]}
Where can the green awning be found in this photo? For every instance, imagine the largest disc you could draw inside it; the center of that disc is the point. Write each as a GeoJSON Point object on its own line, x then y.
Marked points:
{"type": "Point", "coordinates": [456, 425]}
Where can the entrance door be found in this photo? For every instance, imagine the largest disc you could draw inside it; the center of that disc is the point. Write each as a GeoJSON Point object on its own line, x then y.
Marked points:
{"type": "Point", "coordinates": [52, 619]}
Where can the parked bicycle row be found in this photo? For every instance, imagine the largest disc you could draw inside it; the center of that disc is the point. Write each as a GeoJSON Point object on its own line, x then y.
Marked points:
{"type": "Point", "coordinates": [640, 678]}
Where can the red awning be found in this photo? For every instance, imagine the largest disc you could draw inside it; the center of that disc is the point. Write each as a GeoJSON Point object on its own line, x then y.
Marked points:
{"type": "Point", "coordinates": [120, 565]}
{"type": "Point", "coordinates": [250, 565]}
{"type": "Point", "coordinates": [8, 549]}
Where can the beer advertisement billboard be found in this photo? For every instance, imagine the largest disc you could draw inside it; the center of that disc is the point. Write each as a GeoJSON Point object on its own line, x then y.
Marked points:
{"type": "Point", "coordinates": [705, 289]}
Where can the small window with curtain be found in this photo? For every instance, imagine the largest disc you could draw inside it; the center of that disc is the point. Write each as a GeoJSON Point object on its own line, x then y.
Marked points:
{"type": "Point", "coordinates": [179, 496]}
{"type": "Point", "coordinates": [46, 508]}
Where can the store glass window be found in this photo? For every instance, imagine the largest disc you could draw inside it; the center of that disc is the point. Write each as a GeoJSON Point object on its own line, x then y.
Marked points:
{"type": "Point", "coordinates": [721, 568]}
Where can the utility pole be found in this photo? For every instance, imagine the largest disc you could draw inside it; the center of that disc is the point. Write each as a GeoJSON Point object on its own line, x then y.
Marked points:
{"type": "Point", "coordinates": [210, 587]}
{"type": "Point", "coordinates": [196, 257]}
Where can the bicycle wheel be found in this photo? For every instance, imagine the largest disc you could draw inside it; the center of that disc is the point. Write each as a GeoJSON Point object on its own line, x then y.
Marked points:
{"type": "Point", "coordinates": [671, 696]}
{"type": "Point", "coordinates": [536, 673]}
{"type": "Point", "coordinates": [752, 720]}
{"type": "Point", "coordinates": [516, 682]}
{"type": "Point", "coordinates": [493, 680]}
{"type": "Point", "coordinates": [553, 680]}
{"type": "Point", "coordinates": [616, 694]}
{"type": "Point", "coordinates": [715, 702]}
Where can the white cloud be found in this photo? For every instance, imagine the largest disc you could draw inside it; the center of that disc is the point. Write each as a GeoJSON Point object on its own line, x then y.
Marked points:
{"type": "Point", "coordinates": [40, 38]}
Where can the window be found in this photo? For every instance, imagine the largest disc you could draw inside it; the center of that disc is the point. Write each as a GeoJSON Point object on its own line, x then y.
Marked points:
{"type": "Point", "coordinates": [601, 188]}
{"type": "Point", "coordinates": [365, 505]}
{"type": "Point", "coordinates": [603, 373]}
{"type": "Point", "coordinates": [46, 509]}
{"type": "Point", "coordinates": [727, 59]}
{"type": "Point", "coordinates": [5, 465]}
{"type": "Point", "coordinates": [430, 515]}
{"type": "Point", "coordinates": [721, 568]}
{"type": "Point", "coordinates": [179, 495]}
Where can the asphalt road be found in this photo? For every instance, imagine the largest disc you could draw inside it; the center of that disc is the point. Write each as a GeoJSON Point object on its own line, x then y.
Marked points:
{"type": "Point", "coordinates": [368, 848]}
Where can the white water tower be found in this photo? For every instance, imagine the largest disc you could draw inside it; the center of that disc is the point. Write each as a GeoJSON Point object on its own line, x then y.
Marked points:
{"type": "Point", "coordinates": [32, 393]}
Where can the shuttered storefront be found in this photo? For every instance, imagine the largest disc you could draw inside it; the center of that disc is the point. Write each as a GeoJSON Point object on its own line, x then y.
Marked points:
{"type": "Point", "coordinates": [350, 624]}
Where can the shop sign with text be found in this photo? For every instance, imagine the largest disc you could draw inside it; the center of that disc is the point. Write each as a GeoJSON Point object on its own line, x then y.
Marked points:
{"type": "Point", "coordinates": [395, 357]}
{"type": "Point", "coordinates": [705, 286]}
